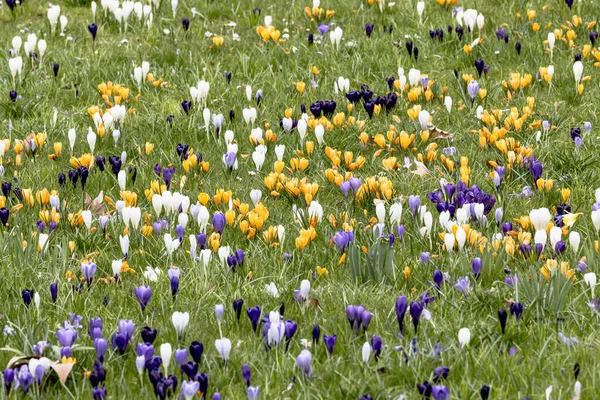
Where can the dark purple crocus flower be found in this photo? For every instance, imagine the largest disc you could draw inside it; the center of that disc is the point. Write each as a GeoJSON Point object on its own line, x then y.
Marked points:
{"type": "Point", "coordinates": [501, 34]}
{"type": "Point", "coordinates": [119, 342]}
{"type": "Point", "coordinates": [185, 22]}
{"type": "Point", "coordinates": [254, 316]}
{"type": "Point", "coordinates": [502, 317]}
{"type": "Point", "coordinates": [576, 136]}
{"type": "Point", "coordinates": [479, 64]}
{"type": "Point", "coordinates": [316, 333]}
{"type": "Point", "coordinates": [484, 392]}
{"type": "Point", "coordinates": [476, 266]}
{"type": "Point", "coordinates": [174, 285]}
{"type": "Point", "coordinates": [100, 163]}
{"type": "Point", "coordinates": [186, 105]}
{"type": "Point", "coordinates": [148, 334]}
{"type": "Point", "coordinates": [237, 307]}
{"type": "Point", "coordinates": [93, 28]}
{"type": "Point", "coordinates": [409, 47]}
{"type": "Point", "coordinates": [311, 39]}
{"type": "Point", "coordinates": [593, 36]}
{"type": "Point", "coordinates": [516, 309]}
{"type": "Point", "coordinates": [73, 176]}
{"type": "Point", "coordinates": [376, 345]}
{"type": "Point", "coordinates": [143, 294]}
{"type": "Point", "coordinates": [424, 389]}
{"type": "Point", "coordinates": [13, 96]}
{"type": "Point", "coordinates": [569, 3]}
{"type": "Point", "coordinates": [438, 278]}
{"type": "Point", "coordinates": [401, 307]}
{"type": "Point", "coordinates": [4, 214]}
{"type": "Point", "coordinates": [54, 291]}
{"type": "Point", "coordinates": [27, 295]}
{"type": "Point", "coordinates": [246, 374]}
{"type": "Point", "coordinates": [41, 226]}
{"type": "Point", "coordinates": [99, 393]}
{"type": "Point", "coordinates": [416, 53]}
{"type": "Point", "coordinates": [440, 373]}
{"type": "Point", "coordinates": [369, 29]}
{"type": "Point", "coordinates": [83, 173]}
{"type": "Point", "coordinates": [518, 48]}
{"type": "Point", "coordinates": [416, 308]}
{"type": "Point", "coordinates": [330, 343]}
{"type": "Point", "coordinates": [196, 350]}
{"type": "Point", "coordinates": [11, 4]}
{"type": "Point", "coordinates": [55, 69]}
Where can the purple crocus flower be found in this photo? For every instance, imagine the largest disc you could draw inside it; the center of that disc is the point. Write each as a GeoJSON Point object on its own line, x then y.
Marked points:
{"type": "Point", "coordinates": [416, 308]}
{"type": "Point", "coordinates": [414, 202]}
{"type": "Point", "coordinates": [196, 350]}
{"type": "Point", "coordinates": [342, 239]}
{"type": "Point", "coordinates": [148, 334]}
{"type": "Point", "coordinates": [330, 343]}
{"type": "Point", "coordinates": [401, 307]}
{"type": "Point", "coordinates": [304, 363]}
{"type": "Point", "coordinates": [126, 326]}
{"type": "Point", "coordinates": [323, 29]}
{"type": "Point", "coordinates": [440, 393]}
{"type": "Point", "coordinates": [143, 294]}
{"type": "Point", "coordinates": [516, 309]}
{"type": "Point", "coordinates": [95, 330]}
{"type": "Point", "coordinates": [24, 378]}
{"type": "Point", "coordinates": [54, 291]}
{"type": "Point", "coordinates": [425, 256]}
{"type": "Point", "coordinates": [472, 89]}
{"type": "Point", "coordinates": [476, 266]}
{"type": "Point", "coordinates": [93, 28]}
{"type": "Point", "coordinates": [369, 29]}
{"type": "Point", "coordinates": [38, 374]}
{"type": "Point", "coordinates": [316, 333]}
{"type": "Point", "coordinates": [462, 285]}
{"type": "Point", "coordinates": [230, 159]}
{"type": "Point", "coordinates": [246, 374]}
{"type": "Point", "coordinates": [345, 187]}
{"type": "Point", "coordinates": [376, 345]}
{"type": "Point", "coordinates": [254, 316]}
{"type": "Point", "coordinates": [185, 22]}
{"type": "Point", "coordinates": [88, 270]}
{"type": "Point", "coordinates": [218, 222]}
{"type": "Point", "coordinates": [189, 389]}
{"type": "Point", "coordinates": [66, 336]}
{"type": "Point", "coordinates": [186, 105]}
{"type": "Point", "coordinates": [101, 347]}
{"type": "Point", "coordinates": [440, 373]}
{"type": "Point", "coordinates": [438, 278]}
{"type": "Point", "coordinates": [9, 378]}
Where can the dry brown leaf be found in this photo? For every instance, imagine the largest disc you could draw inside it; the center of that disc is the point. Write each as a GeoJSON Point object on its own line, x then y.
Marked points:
{"type": "Point", "coordinates": [96, 206]}
{"type": "Point", "coordinates": [438, 134]}
{"type": "Point", "coordinates": [421, 170]}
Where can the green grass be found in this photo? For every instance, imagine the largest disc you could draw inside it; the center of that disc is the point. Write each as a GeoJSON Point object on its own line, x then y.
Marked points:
{"type": "Point", "coordinates": [541, 358]}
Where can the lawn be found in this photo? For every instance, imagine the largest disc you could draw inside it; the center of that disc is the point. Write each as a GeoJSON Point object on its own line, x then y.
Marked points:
{"type": "Point", "coordinates": [335, 199]}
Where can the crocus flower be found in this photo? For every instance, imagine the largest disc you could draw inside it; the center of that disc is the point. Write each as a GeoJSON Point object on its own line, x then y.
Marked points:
{"type": "Point", "coordinates": [516, 309]}
{"type": "Point", "coordinates": [316, 333]}
{"type": "Point", "coordinates": [253, 392]}
{"type": "Point", "coordinates": [88, 270]}
{"type": "Point", "coordinates": [330, 343]}
{"type": "Point", "coordinates": [369, 29]}
{"type": "Point", "coordinates": [462, 285]}
{"type": "Point", "coordinates": [223, 348]}
{"type": "Point", "coordinates": [502, 317]}
{"type": "Point", "coordinates": [196, 350]}
{"type": "Point", "coordinates": [304, 363]}
{"type": "Point", "coordinates": [9, 378]}
{"type": "Point", "coordinates": [416, 309]}
{"type": "Point", "coordinates": [93, 28]}
{"type": "Point", "coordinates": [376, 345]}
{"type": "Point", "coordinates": [246, 374]}
{"type": "Point", "coordinates": [237, 307]}
{"type": "Point", "coordinates": [440, 393]}
{"type": "Point", "coordinates": [148, 334]}
{"type": "Point", "coordinates": [101, 347]}
{"type": "Point", "coordinates": [189, 389]}
{"type": "Point", "coordinates": [401, 307]}
{"type": "Point", "coordinates": [27, 295]}
{"type": "Point", "coordinates": [143, 294]}
{"type": "Point", "coordinates": [24, 378]}
{"type": "Point", "coordinates": [472, 89]}
{"type": "Point", "coordinates": [440, 373]}
{"type": "Point", "coordinates": [180, 321]}
{"type": "Point", "coordinates": [254, 316]}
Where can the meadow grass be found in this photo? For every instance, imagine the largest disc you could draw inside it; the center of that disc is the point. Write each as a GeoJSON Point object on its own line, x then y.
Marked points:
{"type": "Point", "coordinates": [539, 358]}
